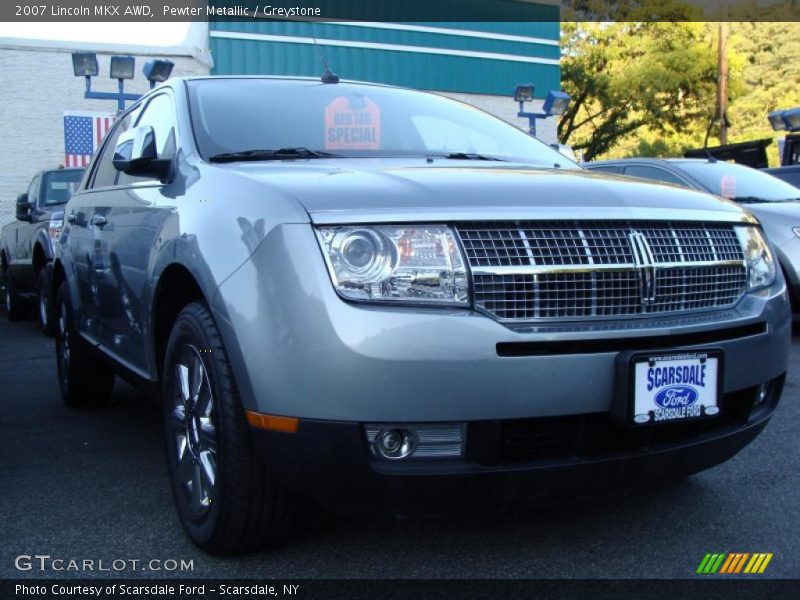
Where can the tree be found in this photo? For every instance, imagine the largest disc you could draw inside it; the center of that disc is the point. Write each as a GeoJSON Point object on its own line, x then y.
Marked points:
{"type": "Point", "coordinates": [626, 76]}
{"type": "Point", "coordinates": [769, 78]}
{"type": "Point", "coordinates": [765, 79]}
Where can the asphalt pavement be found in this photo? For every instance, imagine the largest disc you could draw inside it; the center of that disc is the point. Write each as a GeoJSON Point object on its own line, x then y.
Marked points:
{"type": "Point", "coordinates": [92, 485]}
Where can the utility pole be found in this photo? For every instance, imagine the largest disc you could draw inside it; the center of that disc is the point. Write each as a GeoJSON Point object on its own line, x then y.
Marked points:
{"type": "Point", "coordinates": [722, 80]}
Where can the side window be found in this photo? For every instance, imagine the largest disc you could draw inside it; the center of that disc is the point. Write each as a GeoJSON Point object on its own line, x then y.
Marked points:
{"type": "Point", "coordinates": [605, 169]}
{"type": "Point", "coordinates": [160, 115]}
{"type": "Point", "coordinates": [654, 173]}
{"type": "Point", "coordinates": [104, 173]}
{"type": "Point", "coordinates": [33, 191]}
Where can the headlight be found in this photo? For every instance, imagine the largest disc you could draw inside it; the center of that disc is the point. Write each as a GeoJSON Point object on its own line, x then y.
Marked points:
{"type": "Point", "coordinates": [396, 263]}
{"type": "Point", "coordinates": [54, 231]}
{"type": "Point", "coordinates": [761, 268]}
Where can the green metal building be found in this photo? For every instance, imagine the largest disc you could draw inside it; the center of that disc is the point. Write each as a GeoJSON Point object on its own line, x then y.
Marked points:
{"type": "Point", "coordinates": [477, 62]}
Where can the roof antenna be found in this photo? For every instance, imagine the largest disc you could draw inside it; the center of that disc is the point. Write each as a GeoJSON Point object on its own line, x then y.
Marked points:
{"type": "Point", "coordinates": [328, 76]}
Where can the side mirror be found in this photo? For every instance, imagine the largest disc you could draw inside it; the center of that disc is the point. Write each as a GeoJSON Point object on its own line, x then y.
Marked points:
{"type": "Point", "coordinates": [23, 208]}
{"type": "Point", "coordinates": [136, 154]}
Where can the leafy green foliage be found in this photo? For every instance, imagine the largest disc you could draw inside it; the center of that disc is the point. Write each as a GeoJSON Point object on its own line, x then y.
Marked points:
{"type": "Point", "coordinates": [627, 76]}
{"type": "Point", "coordinates": [649, 88]}
{"type": "Point", "coordinates": [771, 78]}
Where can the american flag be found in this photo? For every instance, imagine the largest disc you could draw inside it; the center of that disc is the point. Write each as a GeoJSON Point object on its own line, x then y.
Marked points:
{"type": "Point", "coordinates": [83, 133]}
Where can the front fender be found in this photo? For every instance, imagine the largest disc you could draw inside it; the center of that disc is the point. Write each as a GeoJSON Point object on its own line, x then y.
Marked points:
{"type": "Point", "coordinates": [42, 237]}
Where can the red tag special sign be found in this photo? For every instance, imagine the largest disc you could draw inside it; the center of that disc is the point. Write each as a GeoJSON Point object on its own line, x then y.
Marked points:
{"type": "Point", "coordinates": [349, 127]}
{"type": "Point", "coordinates": [727, 186]}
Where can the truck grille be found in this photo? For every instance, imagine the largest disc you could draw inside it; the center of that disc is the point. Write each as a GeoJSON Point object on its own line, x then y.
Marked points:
{"type": "Point", "coordinates": [575, 270]}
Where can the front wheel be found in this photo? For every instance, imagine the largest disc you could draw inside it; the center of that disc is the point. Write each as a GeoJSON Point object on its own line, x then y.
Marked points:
{"type": "Point", "coordinates": [83, 379]}
{"type": "Point", "coordinates": [225, 499]}
{"type": "Point", "coordinates": [16, 308]}
{"type": "Point", "coordinates": [45, 303]}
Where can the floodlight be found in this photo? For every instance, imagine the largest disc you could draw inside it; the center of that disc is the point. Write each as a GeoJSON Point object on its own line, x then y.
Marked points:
{"type": "Point", "coordinates": [122, 67]}
{"type": "Point", "coordinates": [523, 92]}
{"type": "Point", "coordinates": [791, 118]}
{"type": "Point", "coordinates": [157, 71]}
{"type": "Point", "coordinates": [84, 64]}
{"type": "Point", "coordinates": [776, 120]}
{"type": "Point", "coordinates": [556, 103]}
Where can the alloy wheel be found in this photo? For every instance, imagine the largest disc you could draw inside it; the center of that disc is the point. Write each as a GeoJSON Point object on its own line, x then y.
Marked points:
{"type": "Point", "coordinates": [194, 430]}
{"type": "Point", "coordinates": [62, 343]}
{"type": "Point", "coordinates": [43, 308]}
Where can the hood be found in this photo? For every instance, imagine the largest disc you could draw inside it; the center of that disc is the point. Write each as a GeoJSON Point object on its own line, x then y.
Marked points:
{"type": "Point", "coordinates": [787, 210]}
{"type": "Point", "coordinates": [370, 190]}
{"type": "Point", "coordinates": [777, 220]}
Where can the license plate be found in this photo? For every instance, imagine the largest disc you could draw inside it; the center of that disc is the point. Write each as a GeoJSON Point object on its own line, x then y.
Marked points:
{"type": "Point", "coordinates": [676, 387]}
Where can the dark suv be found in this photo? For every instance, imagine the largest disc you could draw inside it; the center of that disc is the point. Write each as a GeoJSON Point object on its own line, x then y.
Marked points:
{"type": "Point", "coordinates": [26, 245]}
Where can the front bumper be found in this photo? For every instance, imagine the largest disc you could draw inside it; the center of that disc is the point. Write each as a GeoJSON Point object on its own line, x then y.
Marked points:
{"type": "Point", "coordinates": [298, 350]}
{"type": "Point", "coordinates": [329, 462]}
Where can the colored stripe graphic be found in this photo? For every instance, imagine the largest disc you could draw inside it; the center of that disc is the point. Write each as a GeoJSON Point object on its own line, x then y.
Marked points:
{"type": "Point", "coordinates": [703, 563]}
{"type": "Point", "coordinates": [741, 562]}
{"type": "Point", "coordinates": [729, 563]}
{"type": "Point", "coordinates": [734, 563]}
{"type": "Point", "coordinates": [711, 563]}
{"type": "Point", "coordinates": [759, 562]}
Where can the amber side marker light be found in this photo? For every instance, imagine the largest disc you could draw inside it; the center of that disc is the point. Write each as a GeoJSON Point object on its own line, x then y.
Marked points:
{"type": "Point", "coordinates": [272, 422]}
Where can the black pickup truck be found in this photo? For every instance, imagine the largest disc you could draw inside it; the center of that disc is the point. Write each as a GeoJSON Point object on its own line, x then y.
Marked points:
{"type": "Point", "coordinates": [26, 244]}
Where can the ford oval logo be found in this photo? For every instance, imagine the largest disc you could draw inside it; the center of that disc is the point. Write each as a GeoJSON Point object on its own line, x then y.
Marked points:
{"type": "Point", "coordinates": [676, 396]}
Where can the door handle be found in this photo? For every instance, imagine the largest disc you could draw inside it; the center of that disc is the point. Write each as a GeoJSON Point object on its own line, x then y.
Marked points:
{"type": "Point", "coordinates": [71, 217]}
{"type": "Point", "coordinates": [99, 220]}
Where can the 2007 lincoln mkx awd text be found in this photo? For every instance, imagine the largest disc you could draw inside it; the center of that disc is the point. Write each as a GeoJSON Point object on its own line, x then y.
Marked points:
{"type": "Point", "coordinates": [392, 302]}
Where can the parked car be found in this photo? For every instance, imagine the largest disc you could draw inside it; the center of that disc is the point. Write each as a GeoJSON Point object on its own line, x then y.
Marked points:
{"type": "Point", "coordinates": [775, 202]}
{"type": "Point", "coordinates": [26, 245]}
{"type": "Point", "coordinates": [392, 302]}
{"type": "Point", "coordinates": [790, 174]}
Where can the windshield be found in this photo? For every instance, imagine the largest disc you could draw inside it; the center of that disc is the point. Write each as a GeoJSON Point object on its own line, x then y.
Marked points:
{"type": "Point", "coordinates": [739, 182]}
{"type": "Point", "coordinates": [58, 186]}
{"type": "Point", "coordinates": [240, 115]}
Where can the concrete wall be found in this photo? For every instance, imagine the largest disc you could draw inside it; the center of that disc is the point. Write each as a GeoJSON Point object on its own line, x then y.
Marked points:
{"type": "Point", "coordinates": [37, 86]}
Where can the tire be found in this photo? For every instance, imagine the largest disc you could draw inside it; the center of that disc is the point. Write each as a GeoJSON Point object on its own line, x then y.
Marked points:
{"type": "Point", "coordinates": [46, 319]}
{"type": "Point", "coordinates": [84, 380]}
{"type": "Point", "coordinates": [225, 500]}
{"type": "Point", "coordinates": [15, 305]}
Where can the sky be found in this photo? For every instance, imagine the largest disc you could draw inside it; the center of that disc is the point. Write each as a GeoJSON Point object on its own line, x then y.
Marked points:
{"type": "Point", "coordinates": [144, 34]}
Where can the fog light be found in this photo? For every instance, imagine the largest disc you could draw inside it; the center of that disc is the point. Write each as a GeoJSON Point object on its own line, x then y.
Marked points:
{"type": "Point", "coordinates": [394, 443]}
{"type": "Point", "coordinates": [423, 441]}
{"type": "Point", "coordinates": [762, 393]}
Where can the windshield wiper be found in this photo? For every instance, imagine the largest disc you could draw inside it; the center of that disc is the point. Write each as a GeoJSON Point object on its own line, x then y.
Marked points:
{"type": "Point", "coordinates": [749, 200]}
{"type": "Point", "coordinates": [465, 156]}
{"type": "Point", "coordinates": [280, 154]}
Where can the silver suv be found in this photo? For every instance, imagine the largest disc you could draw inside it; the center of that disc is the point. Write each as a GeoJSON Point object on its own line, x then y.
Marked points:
{"type": "Point", "coordinates": [391, 302]}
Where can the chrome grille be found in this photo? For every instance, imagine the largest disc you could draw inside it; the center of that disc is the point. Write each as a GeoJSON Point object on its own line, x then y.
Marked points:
{"type": "Point", "coordinates": [574, 270]}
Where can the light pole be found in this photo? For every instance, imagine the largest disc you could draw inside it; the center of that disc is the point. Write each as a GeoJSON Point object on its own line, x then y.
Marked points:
{"type": "Point", "coordinates": [555, 104]}
{"type": "Point", "coordinates": [84, 64]}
